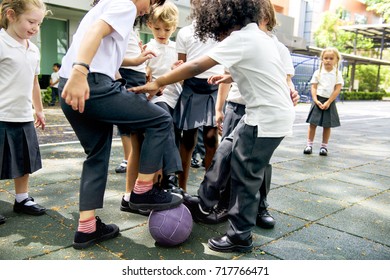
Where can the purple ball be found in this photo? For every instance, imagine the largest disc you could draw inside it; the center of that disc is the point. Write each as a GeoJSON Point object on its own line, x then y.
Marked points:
{"type": "Point", "coordinates": [170, 227]}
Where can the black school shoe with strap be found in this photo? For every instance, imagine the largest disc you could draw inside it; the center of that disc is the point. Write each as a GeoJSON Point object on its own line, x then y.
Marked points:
{"type": "Point", "coordinates": [308, 150]}
{"type": "Point", "coordinates": [34, 210]}
{"type": "Point", "coordinates": [155, 199]}
{"type": "Point", "coordinates": [323, 151]}
{"type": "Point", "coordinates": [103, 232]}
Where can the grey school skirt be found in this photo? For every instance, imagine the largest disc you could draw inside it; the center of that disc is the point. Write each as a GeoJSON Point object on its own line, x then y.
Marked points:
{"type": "Point", "coordinates": [324, 118]}
{"type": "Point", "coordinates": [196, 105]}
{"type": "Point", "coordinates": [20, 150]}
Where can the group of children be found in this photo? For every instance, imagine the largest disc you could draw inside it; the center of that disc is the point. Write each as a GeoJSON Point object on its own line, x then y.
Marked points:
{"type": "Point", "coordinates": [94, 99]}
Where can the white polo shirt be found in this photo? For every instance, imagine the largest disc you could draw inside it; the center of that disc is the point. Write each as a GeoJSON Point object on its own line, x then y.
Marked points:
{"type": "Point", "coordinates": [160, 65]}
{"type": "Point", "coordinates": [120, 15]}
{"type": "Point", "coordinates": [326, 81]}
{"type": "Point", "coordinates": [133, 50]}
{"type": "Point", "coordinates": [285, 56]}
{"type": "Point", "coordinates": [18, 68]}
{"type": "Point", "coordinates": [255, 65]}
{"type": "Point", "coordinates": [187, 43]}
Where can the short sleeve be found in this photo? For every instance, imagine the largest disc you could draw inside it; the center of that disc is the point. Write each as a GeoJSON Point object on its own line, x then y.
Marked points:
{"type": "Point", "coordinates": [314, 79]}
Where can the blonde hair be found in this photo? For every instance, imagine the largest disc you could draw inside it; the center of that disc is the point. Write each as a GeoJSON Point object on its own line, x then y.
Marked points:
{"type": "Point", "coordinates": [336, 52]}
{"type": "Point", "coordinates": [167, 13]}
{"type": "Point", "coordinates": [19, 7]}
{"type": "Point", "coordinates": [268, 14]}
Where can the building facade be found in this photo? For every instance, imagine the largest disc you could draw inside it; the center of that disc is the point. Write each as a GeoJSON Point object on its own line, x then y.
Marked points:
{"type": "Point", "coordinates": [297, 21]}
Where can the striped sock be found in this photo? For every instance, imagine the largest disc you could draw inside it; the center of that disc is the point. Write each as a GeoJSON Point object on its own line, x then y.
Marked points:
{"type": "Point", "coordinates": [142, 186]}
{"type": "Point", "coordinates": [309, 143]}
{"type": "Point", "coordinates": [87, 226]}
{"type": "Point", "coordinates": [324, 145]}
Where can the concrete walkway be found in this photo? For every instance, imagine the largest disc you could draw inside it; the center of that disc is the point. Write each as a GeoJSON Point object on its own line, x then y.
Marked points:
{"type": "Point", "coordinates": [327, 208]}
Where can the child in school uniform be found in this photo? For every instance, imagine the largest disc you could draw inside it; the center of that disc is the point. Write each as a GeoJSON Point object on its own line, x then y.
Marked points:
{"type": "Point", "coordinates": [214, 190]}
{"type": "Point", "coordinates": [19, 94]}
{"type": "Point", "coordinates": [196, 105]}
{"type": "Point", "coordinates": [93, 101]}
{"type": "Point", "coordinates": [133, 70]}
{"type": "Point", "coordinates": [326, 85]}
{"type": "Point", "coordinates": [162, 21]}
{"type": "Point", "coordinates": [254, 63]}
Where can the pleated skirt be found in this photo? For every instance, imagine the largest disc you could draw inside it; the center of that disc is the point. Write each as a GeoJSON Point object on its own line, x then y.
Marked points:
{"type": "Point", "coordinates": [19, 150]}
{"type": "Point", "coordinates": [196, 105]}
{"type": "Point", "coordinates": [323, 118]}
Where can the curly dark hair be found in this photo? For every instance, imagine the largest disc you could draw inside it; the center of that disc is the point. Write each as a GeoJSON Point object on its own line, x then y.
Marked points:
{"type": "Point", "coordinates": [218, 18]}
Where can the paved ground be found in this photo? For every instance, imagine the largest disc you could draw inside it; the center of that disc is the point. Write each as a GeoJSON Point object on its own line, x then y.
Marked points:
{"type": "Point", "coordinates": [326, 208]}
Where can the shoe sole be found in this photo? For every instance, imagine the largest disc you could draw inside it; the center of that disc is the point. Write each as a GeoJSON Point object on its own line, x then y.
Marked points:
{"type": "Point", "coordinates": [30, 213]}
{"type": "Point", "coordinates": [265, 226]}
{"type": "Point", "coordinates": [143, 212]}
{"type": "Point", "coordinates": [157, 207]}
{"type": "Point", "coordinates": [113, 234]}
{"type": "Point", "coordinates": [120, 171]}
{"type": "Point", "coordinates": [235, 248]}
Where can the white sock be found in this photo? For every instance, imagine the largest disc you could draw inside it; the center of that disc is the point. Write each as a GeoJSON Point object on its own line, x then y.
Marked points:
{"type": "Point", "coordinates": [124, 163]}
{"type": "Point", "coordinates": [22, 196]}
{"type": "Point", "coordinates": [126, 197]}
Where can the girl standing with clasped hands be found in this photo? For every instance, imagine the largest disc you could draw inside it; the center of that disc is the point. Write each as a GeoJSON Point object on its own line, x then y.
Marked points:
{"type": "Point", "coordinates": [19, 92]}
{"type": "Point", "coordinates": [326, 84]}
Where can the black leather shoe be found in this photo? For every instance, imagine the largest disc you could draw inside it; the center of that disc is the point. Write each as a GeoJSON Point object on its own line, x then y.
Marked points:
{"type": "Point", "coordinates": [195, 163]}
{"type": "Point", "coordinates": [2, 219]}
{"type": "Point", "coordinates": [264, 219]}
{"type": "Point", "coordinates": [199, 213]}
{"type": "Point", "coordinates": [216, 216]}
{"type": "Point", "coordinates": [35, 210]}
{"type": "Point", "coordinates": [228, 244]}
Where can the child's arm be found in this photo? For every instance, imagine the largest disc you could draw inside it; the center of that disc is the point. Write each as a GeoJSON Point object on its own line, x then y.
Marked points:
{"type": "Point", "coordinates": [293, 92]}
{"type": "Point", "coordinates": [223, 91]}
{"type": "Point", "coordinates": [183, 72]}
{"type": "Point", "coordinates": [314, 94]}
{"type": "Point", "coordinates": [135, 61]}
{"type": "Point", "coordinates": [76, 90]}
{"type": "Point", "coordinates": [40, 120]}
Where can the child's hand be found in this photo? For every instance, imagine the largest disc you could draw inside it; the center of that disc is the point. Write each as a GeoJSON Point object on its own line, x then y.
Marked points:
{"type": "Point", "coordinates": [76, 91]}
{"type": "Point", "coordinates": [40, 121]}
{"type": "Point", "coordinates": [177, 64]}
{"type": "Point", "coordinates": [152, 88]}
{"type": "Point", "coordinates": [219, 117]}
{"type": "Point", "coordinates": [146, 55]}
{"type": "Point", "coordinates": [294, 96]}
{"type": "Point", "coordinates": [219, 79]}
{"type": "Point", "coordinates": [325, 106]}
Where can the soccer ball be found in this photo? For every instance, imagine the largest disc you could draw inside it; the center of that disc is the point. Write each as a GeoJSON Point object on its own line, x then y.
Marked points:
{"type": "Point", "coordinates": [170, 227]}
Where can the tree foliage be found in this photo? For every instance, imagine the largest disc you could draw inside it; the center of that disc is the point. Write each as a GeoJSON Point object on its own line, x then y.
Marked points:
{"type": "Point", "coordinates": [328, 34]}
{"type": "Point", "coordinates": [382, 7]}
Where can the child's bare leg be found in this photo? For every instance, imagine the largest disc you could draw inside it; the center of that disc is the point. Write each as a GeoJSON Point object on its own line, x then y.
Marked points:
{"type": "Point", "coordinates": [210, 139]}
{"type": "Point", "coordinates": [187, 146]}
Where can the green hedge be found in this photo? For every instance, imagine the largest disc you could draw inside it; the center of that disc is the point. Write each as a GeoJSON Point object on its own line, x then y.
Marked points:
{"type": "Point", "coordinates": [360, 95]}
{"type": "Point", "coordinates": [46, 95]}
